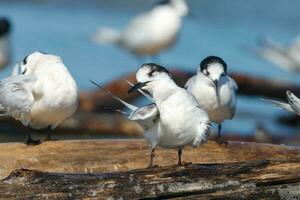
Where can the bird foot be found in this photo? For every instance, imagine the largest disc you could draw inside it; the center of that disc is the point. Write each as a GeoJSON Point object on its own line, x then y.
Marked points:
{"type": "Point", "coordinates": [152, 166]}
{"type": "Point", "coordinates": [183, 163]}
{"type": "Point", "coordinates": [33, 142]}
{"type": "Point", "coordinates": [48, 138]}
{"type": "Point", "coordinates": [220, 142]}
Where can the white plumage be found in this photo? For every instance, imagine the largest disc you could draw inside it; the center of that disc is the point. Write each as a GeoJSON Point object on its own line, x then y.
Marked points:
{"type": "Point", "coordinates": [214, 90]}
{"type": "Point", "coordinates": [43, 94]}
{"type": "Point", "coordinates": [287, 58]}
{"type": "Point", "coordinates": [181, 120]}
{"type": "Point", "coordinates": [150, 32]}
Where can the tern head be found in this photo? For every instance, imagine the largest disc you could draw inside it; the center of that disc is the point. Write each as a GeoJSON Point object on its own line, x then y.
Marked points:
{"type": "Point", "coordinates": [214, 68]}
{"type": "Point", "coordinates": [149, 74]}
{"type": "Point", "coordinates": [180, 6]}
{"type": "Point", "coordinates": [4, 27]}
{"type": "Point", "coordinates": [30, 63]}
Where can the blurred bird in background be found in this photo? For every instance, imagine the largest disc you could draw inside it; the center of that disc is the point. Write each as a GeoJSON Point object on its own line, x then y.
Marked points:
{"type": "Point", "coordinates": [287, 58]}
{"type": "Point", "coordinates": [5, 29]}
{"type": "Point", "coordinates": [214, 90]}
{"type": "Point", "coordinates": [41, 95]}
{"type": "Point", "coordinates": [148, 33]}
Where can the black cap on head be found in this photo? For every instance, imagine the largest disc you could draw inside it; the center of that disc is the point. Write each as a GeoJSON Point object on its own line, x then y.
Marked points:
{"type": "Point", "coordinates": [4, 26]}
{"type": "Point", "coordinates": [155, 68]}
{"type": "Point", "coordinates": [212, 59]}
{"type": "Point", "coordinates": [162, 2]}
{"type": "Point", "coordinates": [24, 61]}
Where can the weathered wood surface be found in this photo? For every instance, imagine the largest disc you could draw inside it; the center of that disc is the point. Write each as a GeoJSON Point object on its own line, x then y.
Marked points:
{"type": "Point", "coordinates": [241, 180]}
{"type": "Point", "coordinates": [120, 155]}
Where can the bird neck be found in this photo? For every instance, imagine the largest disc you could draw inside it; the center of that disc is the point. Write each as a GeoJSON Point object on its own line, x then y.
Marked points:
{"type": "Point", "coordinates": [180, 7]}
{"type": "Point", "coordinates": [163, 89]}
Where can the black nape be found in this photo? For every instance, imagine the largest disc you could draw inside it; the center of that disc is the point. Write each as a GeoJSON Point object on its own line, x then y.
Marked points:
{"type": "Point", "coordinates": [212, 59]}
{"type": "Point", "coordinates": [156, 68]}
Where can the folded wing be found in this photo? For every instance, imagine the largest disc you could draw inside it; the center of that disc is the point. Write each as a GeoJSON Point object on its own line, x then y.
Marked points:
{"type": "Point", "coordinates": [16, 97]}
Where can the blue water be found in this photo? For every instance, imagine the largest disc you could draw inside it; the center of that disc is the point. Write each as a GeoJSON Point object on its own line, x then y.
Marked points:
{"type": "Point", "coordinates": [228, 28]}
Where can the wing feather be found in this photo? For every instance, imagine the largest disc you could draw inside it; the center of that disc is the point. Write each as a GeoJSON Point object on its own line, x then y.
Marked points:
{"type": "Point", "coordinates": [16, 96]}
{"type": "Point", "coordinates": [294, 102]}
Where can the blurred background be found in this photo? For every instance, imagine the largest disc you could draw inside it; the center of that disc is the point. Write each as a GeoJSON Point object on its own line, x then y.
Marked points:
{"type": "Point", "coordinates": [241, 32]}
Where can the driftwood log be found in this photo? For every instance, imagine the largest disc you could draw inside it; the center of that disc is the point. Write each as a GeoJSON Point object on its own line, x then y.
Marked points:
{"type": "Point", "coordinates": [119, 155]}
{"type": "Point", "coordinates": [240, 171]}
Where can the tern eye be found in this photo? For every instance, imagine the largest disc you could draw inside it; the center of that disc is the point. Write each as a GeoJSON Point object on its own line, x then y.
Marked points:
{"type": "Point", "coordinates": [24, 71]}
{"type": "Point", "coordinates": [24, 61]}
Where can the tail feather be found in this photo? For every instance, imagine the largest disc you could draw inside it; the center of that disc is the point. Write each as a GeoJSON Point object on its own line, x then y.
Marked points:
{"type": "Point", "coordinates": [128, 105]}
{"type": "Point", "coordinates": [106, 36]}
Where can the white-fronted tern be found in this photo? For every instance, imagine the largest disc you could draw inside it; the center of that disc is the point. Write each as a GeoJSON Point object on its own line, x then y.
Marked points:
{"type": "Point", "coordinates": [214, 90]}
{"type": "Point", "coordinates": [41, 93]}
{"type": "Point", "coordinates": [182, 121]}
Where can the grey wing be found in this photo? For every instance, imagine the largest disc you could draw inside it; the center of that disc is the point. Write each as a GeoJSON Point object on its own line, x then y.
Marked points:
{"type": "Point", "coordinates": [16, 98]}
{"type": "Point", "coordinates": [294, 102]}
{"type": "Point", "coordinates": [233, 84]}
{"type": "Point", "coordinates": [234, 88]}
{"type": "Point", "coordinates": [146, 116]}
{"type": "Point", "coordinates": [190, 82]}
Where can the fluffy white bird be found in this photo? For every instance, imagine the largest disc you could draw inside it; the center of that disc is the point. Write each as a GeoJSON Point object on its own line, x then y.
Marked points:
{"type": "Point", "coordinates": [5, 29]}
{"type": "Point", "coordinates": [293, 104]}
{"type": "Point", "coordinates": [43, 94]}
{"type": "Point", "coordinates": [181, 120]}
{"type": "Point", "coordinates": [287, 58]}
{"type": "Point", "coordinates": [214, 90]}
{"type": "Point", "coordinates": [150, 32]}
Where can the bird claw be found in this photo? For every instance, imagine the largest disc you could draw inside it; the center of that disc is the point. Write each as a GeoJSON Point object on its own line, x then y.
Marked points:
{"type": "Point", "coordinates": [48, 138]}
{"type": "Point", "coordinates": [183, 163]}
{"type": "Point", "coordinates": [220, 142]}
{"type": "Point", "coordinates": [152, 166]}
{"type": "Point", "coordinates": [33, 142]}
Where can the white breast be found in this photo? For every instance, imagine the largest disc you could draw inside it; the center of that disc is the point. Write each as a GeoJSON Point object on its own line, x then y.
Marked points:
{"type": "Point", "coordinates": [56, 97]}
{"type": "Point", "coordinates": [204, 92]}
{"type": "Point", "coordinates": [179, 117]}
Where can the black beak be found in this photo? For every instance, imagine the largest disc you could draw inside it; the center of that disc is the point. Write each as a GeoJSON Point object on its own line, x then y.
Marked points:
{"type": "Point", "coordinates": [137, 86]}
{"type": "Point", "coordinates": [216, 87]}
